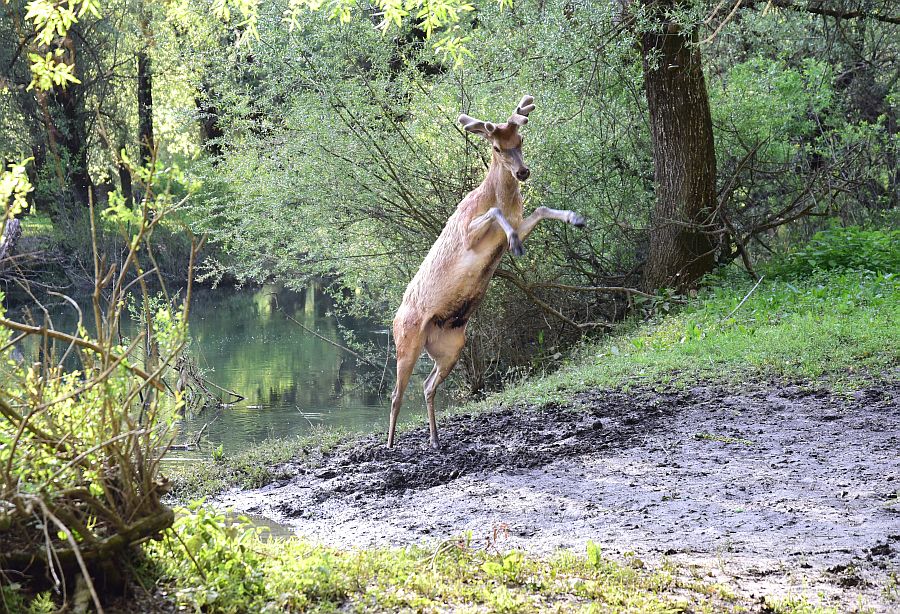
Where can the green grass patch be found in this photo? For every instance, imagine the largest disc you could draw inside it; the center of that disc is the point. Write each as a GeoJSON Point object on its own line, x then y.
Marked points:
{"type": "Point", "coordinates": [211, 564]}
{"type": "Point", "coordinates": [37, 225]}
{"type": "Point", "coordinates": [250, 468]}
{"type": "Point", "coordinates": [840, 326]}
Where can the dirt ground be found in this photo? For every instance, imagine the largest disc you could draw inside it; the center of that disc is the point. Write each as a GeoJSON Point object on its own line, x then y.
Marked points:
{"type": "Point", "coordinates": [775, 490]}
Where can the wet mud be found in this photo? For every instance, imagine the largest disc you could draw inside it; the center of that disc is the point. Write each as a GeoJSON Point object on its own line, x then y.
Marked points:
{"type": "Point", "coordinates": [773, 489]}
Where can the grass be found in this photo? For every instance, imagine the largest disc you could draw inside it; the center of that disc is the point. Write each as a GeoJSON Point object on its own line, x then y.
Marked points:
{"type": "Point", "coordinates": [250, 468]}
{"type": "Point", "coordinates": [838, 327]}
{"type": "Point", "coordinates": [210, 565]}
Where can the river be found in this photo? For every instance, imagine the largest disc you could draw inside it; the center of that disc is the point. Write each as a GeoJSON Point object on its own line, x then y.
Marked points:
{"type": "Point", "coordinates": [292, 380]}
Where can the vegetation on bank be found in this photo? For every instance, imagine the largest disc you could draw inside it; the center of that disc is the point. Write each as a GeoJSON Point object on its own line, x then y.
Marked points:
{"type": "Point", "coordinates": [208, 564]}
{"type": "Point", "coordinates": [249, 468]}
{"type": "Point", "coordinates": [838, 327]}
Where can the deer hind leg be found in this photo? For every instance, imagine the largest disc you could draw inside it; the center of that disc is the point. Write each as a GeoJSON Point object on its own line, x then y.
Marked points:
{"type": "Point", "coordinates": [444, 346]}
{"type": "Point", "coordinates": [409, 340]}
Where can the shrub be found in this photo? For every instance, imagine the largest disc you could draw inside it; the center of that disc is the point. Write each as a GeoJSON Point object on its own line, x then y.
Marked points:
{"type": "Point", "coordinates": [85, 421]}
{"type": "Point", "coordinates": [850, 248]}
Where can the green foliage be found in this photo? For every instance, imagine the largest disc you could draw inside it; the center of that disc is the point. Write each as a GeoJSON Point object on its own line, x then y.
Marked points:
{"type": "Point", "coordinates": [14, 188]}
{"type": "Point", "coordinates": [216, 564]}
{"type": "Point", "coordinates": [84, 422]}
{"type": "Point", "coordinates": [773, 102]}
{"type": "Point", "coordinates": [841, 249]}
{"type": "Point", "coordinates": [14, 601]}
{"type": "Point", "coordinates": [215, 560]}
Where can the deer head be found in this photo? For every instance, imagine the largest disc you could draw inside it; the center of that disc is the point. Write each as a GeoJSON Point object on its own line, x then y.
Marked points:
{"type": "Point", "coordinates": [505, 138]}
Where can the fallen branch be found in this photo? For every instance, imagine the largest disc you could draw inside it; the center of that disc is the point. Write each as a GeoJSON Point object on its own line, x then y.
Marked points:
{"type": "Point", "coordinates": [744, 300]}
{"type": "Point", "coordinates": [141, 531]}
{"type": "Point", "coordinates": [11, 234]}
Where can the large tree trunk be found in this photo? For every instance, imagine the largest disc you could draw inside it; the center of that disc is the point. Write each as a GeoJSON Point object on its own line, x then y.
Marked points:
{"type": "Point", "coordinates": [146, 142]}
{"type": "Point", "coordinates": [681, 248]}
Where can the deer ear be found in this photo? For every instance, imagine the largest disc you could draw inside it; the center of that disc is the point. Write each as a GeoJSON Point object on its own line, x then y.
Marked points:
{"type": "Point", "coordinates": [476, 126]}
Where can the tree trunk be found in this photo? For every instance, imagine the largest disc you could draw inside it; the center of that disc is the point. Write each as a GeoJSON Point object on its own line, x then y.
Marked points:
{"type": "Point", "coordinates": [681, 248]}
{"type": "Point", "coordinates": [210, 130]}
{"type": "Point", "coordinates": [145, 106]}
{"type": "Point", "coordinates": [12, 232]}
{"type": "Point", "coordinates": [125, 182]}
{"type": "Point", "coordinates": [70, 133]}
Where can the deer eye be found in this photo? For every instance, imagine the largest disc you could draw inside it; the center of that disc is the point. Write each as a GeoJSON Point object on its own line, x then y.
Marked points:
{"type": "Point", "coordinates": [497, 149]}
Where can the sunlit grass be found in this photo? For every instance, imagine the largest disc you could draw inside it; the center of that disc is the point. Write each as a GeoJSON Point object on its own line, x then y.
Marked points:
{"type": "Point", "coordinates": [216, 566]}
{"type": "Point", "coordinates": [840, 328]}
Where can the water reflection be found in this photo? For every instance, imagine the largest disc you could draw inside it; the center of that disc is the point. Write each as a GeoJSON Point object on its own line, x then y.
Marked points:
{"type": "Point", "coordinates": [292, 379]}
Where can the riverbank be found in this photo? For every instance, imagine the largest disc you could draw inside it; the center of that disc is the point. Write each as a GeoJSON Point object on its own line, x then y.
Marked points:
{"type": "Point", "coordinates": [746, 442]}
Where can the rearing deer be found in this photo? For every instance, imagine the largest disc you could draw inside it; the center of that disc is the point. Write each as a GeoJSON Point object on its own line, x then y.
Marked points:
{"type": "Point", "coordinates": [453, 278]}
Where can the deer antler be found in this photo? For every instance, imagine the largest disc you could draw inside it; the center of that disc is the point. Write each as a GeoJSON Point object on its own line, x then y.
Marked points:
{"type": "Point", "coordinates": [526, 106]}
{"type": "Point", "coordinates": [470, 124]}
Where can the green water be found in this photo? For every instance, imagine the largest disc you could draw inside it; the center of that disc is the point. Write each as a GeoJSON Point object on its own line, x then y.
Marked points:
{"type": "Point", "coordinates": [292, 379]}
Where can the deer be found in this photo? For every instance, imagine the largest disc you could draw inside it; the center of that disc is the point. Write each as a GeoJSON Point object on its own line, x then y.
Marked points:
{"type": "Point", "coordinates": [453, 278]}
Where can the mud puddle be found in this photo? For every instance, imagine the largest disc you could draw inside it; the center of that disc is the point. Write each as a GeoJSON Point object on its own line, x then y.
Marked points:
{"type": "Point", "coordinates": [779, 490]}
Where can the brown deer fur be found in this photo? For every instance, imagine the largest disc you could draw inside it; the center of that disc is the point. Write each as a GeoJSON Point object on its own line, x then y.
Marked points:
{"type": "Point", "coordinates": [453, 278]}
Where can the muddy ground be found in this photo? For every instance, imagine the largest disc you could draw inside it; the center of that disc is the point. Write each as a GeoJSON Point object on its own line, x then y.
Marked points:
{"type": "Point", "coordinates": [775, 490]}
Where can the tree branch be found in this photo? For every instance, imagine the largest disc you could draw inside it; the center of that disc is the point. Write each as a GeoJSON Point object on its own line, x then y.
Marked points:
{"type": "Point", "coordinates": [818, 9]}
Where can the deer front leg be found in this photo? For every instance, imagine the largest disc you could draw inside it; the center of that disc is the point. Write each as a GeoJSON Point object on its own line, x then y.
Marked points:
{"type": "Point", "coordinates": [480, 225]}
{"type": "Point", "coordinates": [546, 213]}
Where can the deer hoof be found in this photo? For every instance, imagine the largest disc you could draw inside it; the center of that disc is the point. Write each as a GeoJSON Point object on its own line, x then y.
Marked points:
{"type": "Point", "coordinates": [577, 220]}
{"type": "Point", "coordinates": [515, 246]}
{"type": "Point", "coordinates": [435, 444]}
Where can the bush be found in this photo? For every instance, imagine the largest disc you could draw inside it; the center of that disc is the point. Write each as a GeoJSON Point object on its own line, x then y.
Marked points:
{"type": "Point", "coordinates": [850, 248]}
{"type": "Point", "coordinates": [85, 420]}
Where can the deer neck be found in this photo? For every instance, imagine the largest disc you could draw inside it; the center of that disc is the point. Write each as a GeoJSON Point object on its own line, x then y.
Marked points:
{"type": "Point", "coordinates": [502, 185]}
